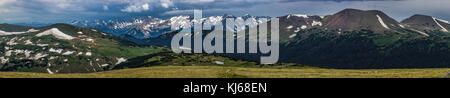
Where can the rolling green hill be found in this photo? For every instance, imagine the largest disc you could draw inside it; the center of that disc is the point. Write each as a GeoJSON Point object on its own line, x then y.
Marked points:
{"type": "Point", "coordinates": [62, 48]}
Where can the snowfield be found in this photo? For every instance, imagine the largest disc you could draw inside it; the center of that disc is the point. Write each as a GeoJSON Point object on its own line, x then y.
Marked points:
{"type": "Point", "coordinates": [4, 60]}
{"type": "Point", "coordinates": [298, 15]}
{"type": "Point", "coordinates": [382, 22]}
{"type": "Point", "coordinates": [56, 33]}
{"type": "Point", "coordinates": [59, 51]}
{"type": "Point", "coordinates": [436, 20]}
{"type": "Point", "coordinates": [292, 36]}
{"type": "Point", "coordinates": [290, 27]}
{"type": "Point", "coordinates": [120, 60]}
{"type": "Point", "coordinates": [104, 65]}
{"type": "Point", "coordinates": [445, 21]}
{"type": "Point", "coordinates": [88, 54]}
{"type": "Point", "coordinates": [68, 53]}
{"type": "Point", "coordinates": [39, 55]}
{"type": "Point", "coordinates": [49, 71]}
{"type": "Point", "coordinates": [2, 33]}
{"type": "Point", "coordinates": [423, 33]}
{"type": "Point", "coordinates": [297, 29]}
{"type": "Point", "coordinates": [304, 27]}
{"type": "Point", "coordinates": [318, 23]}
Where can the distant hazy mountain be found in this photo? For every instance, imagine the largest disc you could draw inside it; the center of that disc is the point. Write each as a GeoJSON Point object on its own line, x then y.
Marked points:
{"type": "Point", "coordinates": [147, 27]}
{"type": "Point", "coordinates": [137, 27]}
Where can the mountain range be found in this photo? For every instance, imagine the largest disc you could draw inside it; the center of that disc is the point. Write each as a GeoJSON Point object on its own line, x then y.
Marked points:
{"type": "Point", "coordinates": [148, 27]}
{"type": "Point", "coordinates": [350, 38]}
{"type": "Point", "coordinates": [354, 38]}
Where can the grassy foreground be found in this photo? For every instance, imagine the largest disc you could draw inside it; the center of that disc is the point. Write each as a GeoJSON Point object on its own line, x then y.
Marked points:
{"type": "Point", "coordinates": [240, 72]}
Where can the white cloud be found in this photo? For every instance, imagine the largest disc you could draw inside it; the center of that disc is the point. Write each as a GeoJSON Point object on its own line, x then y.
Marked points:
{"type": "Point", "coordinates": [145, 5]}
{"type": "Point", "coordinates": [166, 3]}
{"type": "Point", "coordinates": [191, 11]}
{"type": "Point", "coordinates": [136, 8]}
{"type": "Point", "coordinates": [69, 6]}
{"type": "Point", "coordinates": [4, 2]}
{"type": "Point", "coordinates": [105, 7]}
{"type": "Point", "coordinates": [196, 1]}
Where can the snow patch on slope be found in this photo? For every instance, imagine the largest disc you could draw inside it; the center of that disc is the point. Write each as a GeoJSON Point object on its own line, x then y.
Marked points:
{"type": "Point", "coordinates": [56, 33]}
{"type": "Point", "coordinates": [180, 22]}
{"type": "Point", "coordinates": [88, 54]}
{"type": "Point", "coordinates": [423, 33]}
{"type": "Point", "coordinates": [219, 62]}
{"type": "Point", "coordinates": [12, 41]}
{"type": "Point", "coordinates": [4, 60]}
{"type": "Point", "coordinates": [445, 21]}
{"type": "Point", "coordinates": [301, 15]}
{"type": "Point", "coordinates": [298, 15]}
{"type": "Point", "coordinates": [120, 60]}
{"type": "Point", "coordinates": [290, 27]}
{"type": "Point", "coordinates": [443, 29]}
{"type": "Point", "coordinates": [15, 33]}
{"type": "Point", "coordinates": [292, 36]}
{"type": "Point", "coordinates": [28, 42]}
{"type": "Point", "coordinates": [382, 22]}
{"type": "Point", "coordinates": [55, 50]}
{"type": "Point", "coordinates": [49, 71]}
{"type": "Point", "coordinates": [39, 55]}
{"type": "Point", "coordinates": [104, 65]}
{"type": "Point", "coordinates": [316, 23]}
{"type": "Point", "coordinates": [401, 26]}
{"type": "Point", "coordinates": [304, 27]}
{"type": "Point", "coordinates": [297, 29]}
{"type": "Point", "coordinates": [68, 53]}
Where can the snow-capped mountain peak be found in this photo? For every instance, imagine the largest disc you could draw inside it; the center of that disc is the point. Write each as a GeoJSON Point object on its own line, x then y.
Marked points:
{"type": "Point", "coordinates": [147, 27]}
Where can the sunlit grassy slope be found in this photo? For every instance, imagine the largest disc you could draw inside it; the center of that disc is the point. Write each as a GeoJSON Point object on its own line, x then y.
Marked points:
{"type": "Point", "coordinates": [240, 72]}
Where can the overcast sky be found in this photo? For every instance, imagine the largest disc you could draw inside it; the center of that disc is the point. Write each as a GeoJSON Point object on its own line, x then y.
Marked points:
{"type": "Point", "coordinates": [53, 11]}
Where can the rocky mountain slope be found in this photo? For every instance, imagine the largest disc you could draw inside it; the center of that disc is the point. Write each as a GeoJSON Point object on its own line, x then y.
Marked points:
{"type": "Point", "coordinates": [354, 19]}
{"type": "Point", "coordinates": [61, 48]}
{"type": "Point", "coordinates": [426, 25]}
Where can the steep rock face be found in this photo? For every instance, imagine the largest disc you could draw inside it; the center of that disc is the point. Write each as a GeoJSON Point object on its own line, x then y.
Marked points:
{"type": "Point", "coordinates": [353, 19]}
